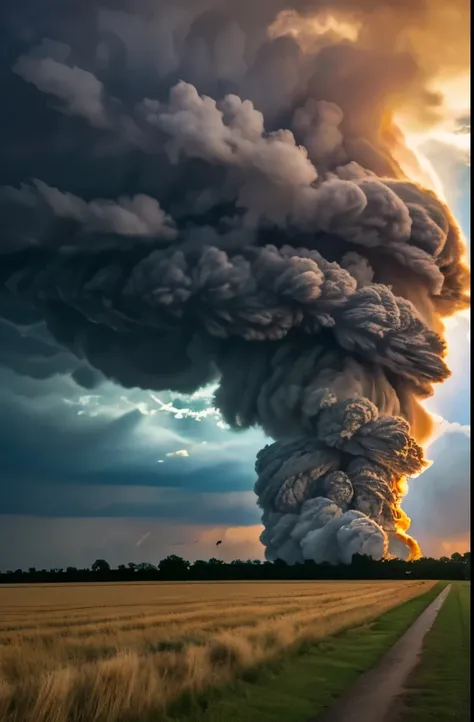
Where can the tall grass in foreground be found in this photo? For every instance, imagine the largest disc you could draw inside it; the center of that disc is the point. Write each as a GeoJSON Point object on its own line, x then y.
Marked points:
{"type": "Point", "coordinates": [104, 653]}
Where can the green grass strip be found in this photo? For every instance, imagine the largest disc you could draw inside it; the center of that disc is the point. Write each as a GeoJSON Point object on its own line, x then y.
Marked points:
{"type": "Point", "coordinates": [304, 681]}
{"type": "Point", "coordinates": [438, 690]}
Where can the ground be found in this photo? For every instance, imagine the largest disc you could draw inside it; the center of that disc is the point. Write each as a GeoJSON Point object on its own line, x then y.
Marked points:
{"type": "Point", "coordinates": [301, 684]}
{"type": "Point", "coordinates": [113, 652]}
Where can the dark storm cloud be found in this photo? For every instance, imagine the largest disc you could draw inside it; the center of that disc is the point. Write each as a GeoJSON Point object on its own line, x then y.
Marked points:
{"type": "Point", "coordinates": [74, 440]}
{"type": "Point", "coordinates": [179, 506]}
{"type": "Point", "coordinates": [200, 200]}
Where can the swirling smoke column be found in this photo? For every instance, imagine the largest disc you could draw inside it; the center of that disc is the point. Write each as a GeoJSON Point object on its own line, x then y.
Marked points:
{"type": "Point", "coordinates": [263, 235]}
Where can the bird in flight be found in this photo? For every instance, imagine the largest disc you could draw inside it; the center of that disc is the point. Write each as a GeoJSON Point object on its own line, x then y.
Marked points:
{"type": "Point", "coordinates": [219, 542]}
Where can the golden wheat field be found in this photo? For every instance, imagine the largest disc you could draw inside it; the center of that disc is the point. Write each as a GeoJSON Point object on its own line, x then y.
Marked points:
{"type": "Point", "coordinates": [109, 652]}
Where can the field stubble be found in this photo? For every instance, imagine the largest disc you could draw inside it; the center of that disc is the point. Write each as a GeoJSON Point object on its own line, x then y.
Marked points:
{"type": "Point", "coordinates": [110, 652]}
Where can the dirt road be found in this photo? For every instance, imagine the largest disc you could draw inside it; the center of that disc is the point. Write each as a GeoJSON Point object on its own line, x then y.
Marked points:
{"type": "Point", "coordinates": [373, 696]}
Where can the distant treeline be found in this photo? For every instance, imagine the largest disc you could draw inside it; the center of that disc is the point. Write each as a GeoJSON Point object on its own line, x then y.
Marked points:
{"type": "Point", "coordinates": [174, 568]}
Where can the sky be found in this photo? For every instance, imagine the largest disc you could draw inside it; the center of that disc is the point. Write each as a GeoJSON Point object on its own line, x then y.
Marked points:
{"type": "Point", "coordinates": [129, 475]}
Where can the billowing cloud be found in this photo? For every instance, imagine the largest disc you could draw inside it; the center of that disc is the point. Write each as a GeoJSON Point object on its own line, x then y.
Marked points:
{"type": "Point", "coordinates": [287, 256]}
{"type": "Point", "coordinates": [79, 90]}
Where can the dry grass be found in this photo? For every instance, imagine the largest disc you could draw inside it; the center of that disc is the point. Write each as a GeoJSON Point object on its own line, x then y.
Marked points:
{"type": "Point", "coordinates": [108, 652]}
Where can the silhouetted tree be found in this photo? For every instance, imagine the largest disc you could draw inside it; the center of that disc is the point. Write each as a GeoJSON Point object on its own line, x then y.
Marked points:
{"type": "Point", "coordinates": [467, 565]}
{"type": "Point", "coordinates": [173, 567]}
{"type": "Point", "coordinates": [146, 567]}
{"type": "Point", "coordinates": [100, 566]}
